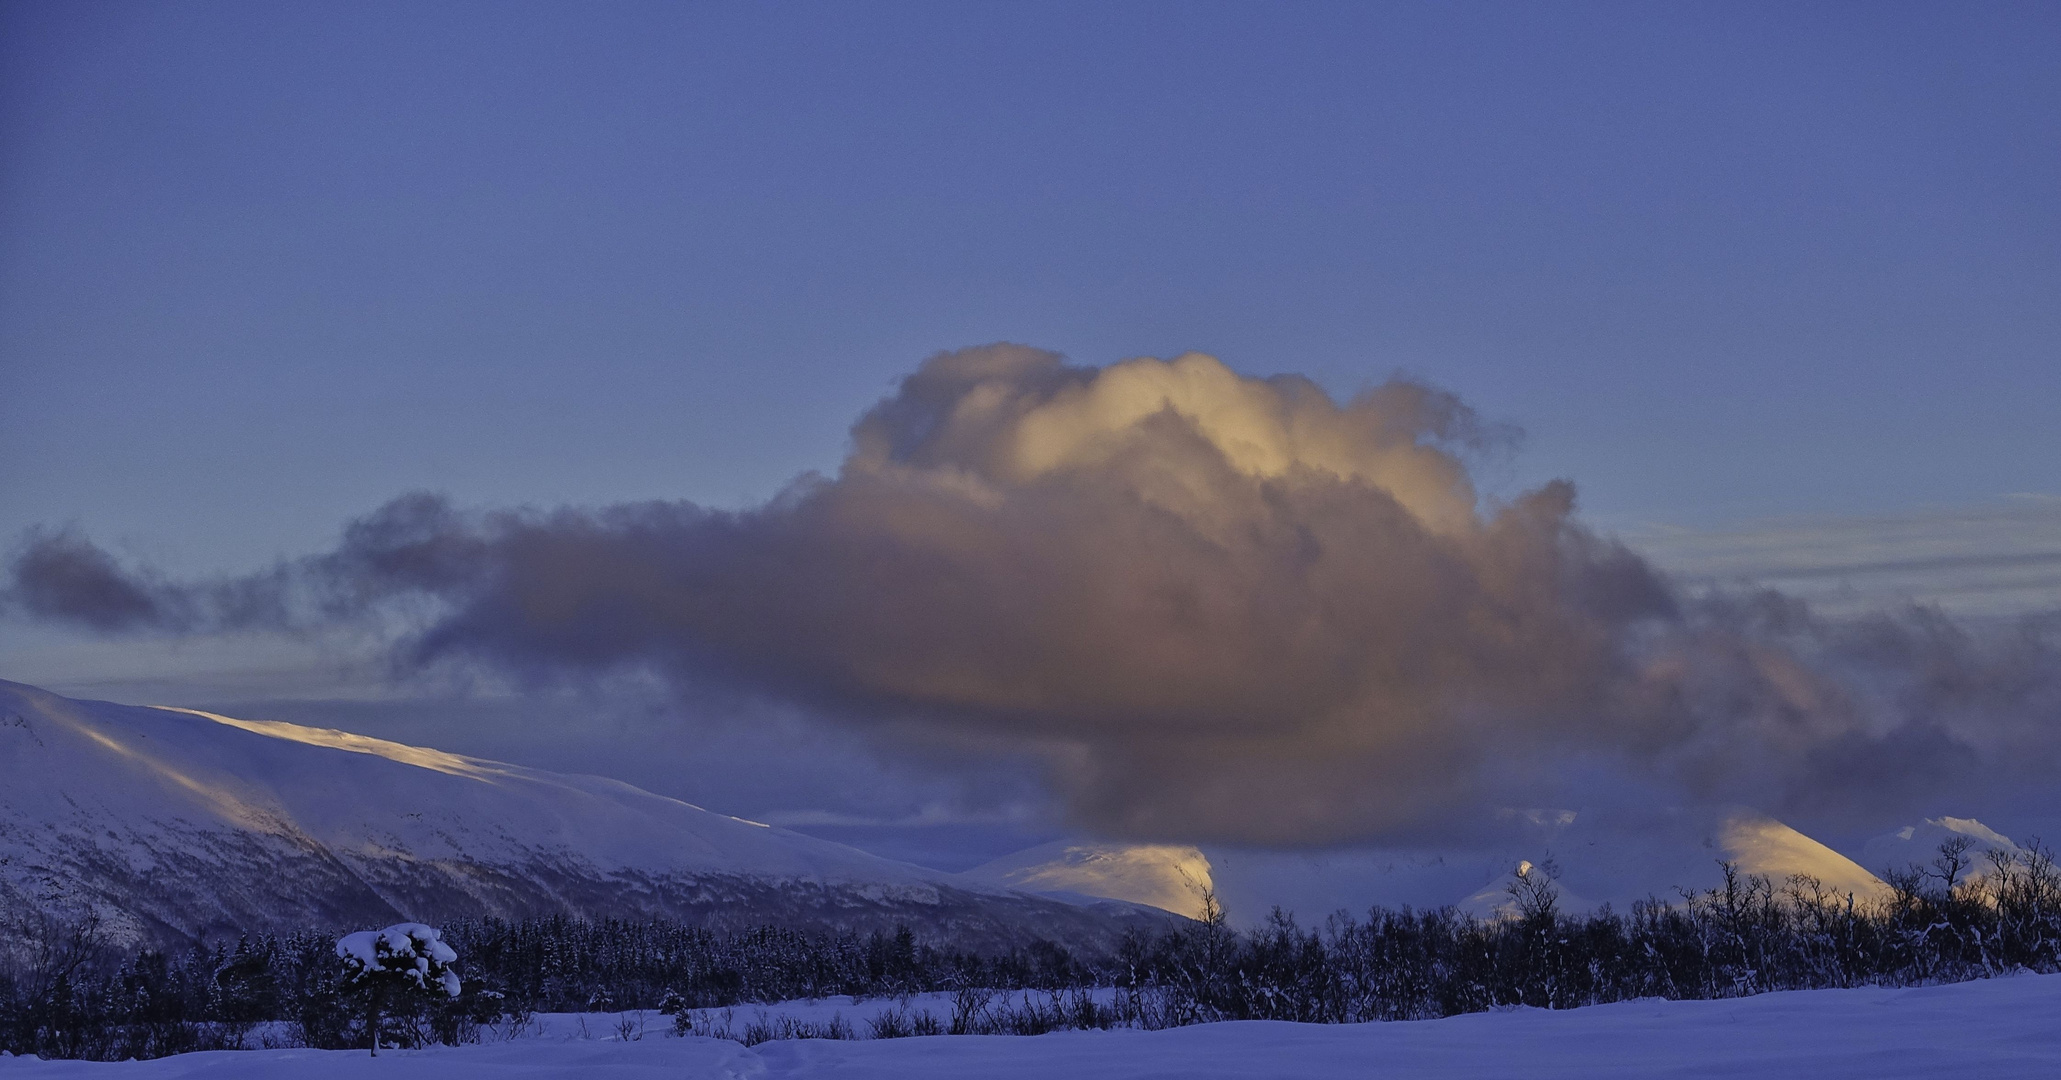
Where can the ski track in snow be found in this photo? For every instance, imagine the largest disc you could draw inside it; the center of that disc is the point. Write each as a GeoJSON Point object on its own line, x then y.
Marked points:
{"type": "Point", "coordinates": [2001, 1029]}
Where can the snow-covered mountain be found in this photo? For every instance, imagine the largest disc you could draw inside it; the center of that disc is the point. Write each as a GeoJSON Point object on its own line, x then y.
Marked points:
{"type": "Point", "coordinates": [1593, 859]}
{"type": "Point", "coordinates": [1919, 844]}
{"type": "Point", "coordinates": [173, 824]}
{"type": "Point", "coordinates": [1499, 898]}
{"type": "Point", "coordinates": [1171, 877]}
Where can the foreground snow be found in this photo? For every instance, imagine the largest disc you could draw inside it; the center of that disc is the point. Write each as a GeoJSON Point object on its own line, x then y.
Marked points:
{"type": "Point", "coordinates": [1998, 1029]}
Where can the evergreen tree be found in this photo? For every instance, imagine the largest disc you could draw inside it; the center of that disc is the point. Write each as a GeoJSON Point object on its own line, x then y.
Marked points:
{"type": "Point", "coordinates": [385, 967]}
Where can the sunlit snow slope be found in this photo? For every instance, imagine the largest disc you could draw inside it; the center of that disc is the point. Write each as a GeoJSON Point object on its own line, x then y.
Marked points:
{"type": "Point", "coordinates": [171, 823]}
{"type": "Point", "coordinates": [1171, 877]}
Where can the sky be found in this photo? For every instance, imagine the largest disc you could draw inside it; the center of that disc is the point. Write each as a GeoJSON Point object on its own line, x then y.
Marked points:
{"type": "Point", "coordinates": [1773, 285]}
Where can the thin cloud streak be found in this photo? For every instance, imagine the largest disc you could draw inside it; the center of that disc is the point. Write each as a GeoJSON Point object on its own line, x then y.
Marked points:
{"type": "Point", "coordinates": [1989, 561]}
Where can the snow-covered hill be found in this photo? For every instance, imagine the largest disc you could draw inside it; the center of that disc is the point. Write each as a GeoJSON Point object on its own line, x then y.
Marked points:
{"type": "Point", "coordinates": [171, 824]}
{"type": "Point", "coordinates": [1919, 844]}
{"type": "Point", "coordinates": [1172, 877]}
{"type": "Point", "coordinates": [1593, 859]}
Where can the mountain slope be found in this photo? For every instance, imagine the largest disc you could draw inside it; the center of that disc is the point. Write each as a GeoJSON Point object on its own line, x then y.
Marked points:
{"type": "Point", "coordinates": [1171, 877]}
{"type": "Point", "coordinates": [172, 824]}
{"type": "Point", "coordinates": [1919, 844]}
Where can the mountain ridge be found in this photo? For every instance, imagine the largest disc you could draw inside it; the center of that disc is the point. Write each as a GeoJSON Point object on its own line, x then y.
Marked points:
{"type": "Point", "coordinates": [1617, 859]}
{"type": "Point", "coordinates": [173, 824]}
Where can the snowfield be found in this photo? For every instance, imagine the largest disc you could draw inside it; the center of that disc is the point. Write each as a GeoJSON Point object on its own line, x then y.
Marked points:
{"type": "Point", "coordinates": [1995, 1029]}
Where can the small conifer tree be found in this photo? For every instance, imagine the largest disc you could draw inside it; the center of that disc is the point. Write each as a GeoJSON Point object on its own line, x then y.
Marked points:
{"type": "Point", "coordinates": [402, 960]}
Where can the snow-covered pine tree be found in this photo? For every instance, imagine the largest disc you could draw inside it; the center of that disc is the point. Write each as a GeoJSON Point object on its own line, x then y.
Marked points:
{"type": "Point", "coordinates": [403, 959]}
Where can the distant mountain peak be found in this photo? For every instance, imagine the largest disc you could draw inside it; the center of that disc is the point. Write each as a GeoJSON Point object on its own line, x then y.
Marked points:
{"type": "Point", "coordinates": [1171, 877]}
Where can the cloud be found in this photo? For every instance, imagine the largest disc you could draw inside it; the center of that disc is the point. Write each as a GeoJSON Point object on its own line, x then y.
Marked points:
{"type": "Point", "coordinates": [1217, 608]}
{"type": "Point", "coordinates": [62, 576]}
{"type": "Point", "coordinates": [2000, 559]}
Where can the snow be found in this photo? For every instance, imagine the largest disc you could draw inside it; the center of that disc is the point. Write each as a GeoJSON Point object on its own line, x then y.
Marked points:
{"type": "Point", "coordinates": [1598, 858]}
{"type": "Point", "coordinates": [129, 793]}
{"type": "Point", "coordinates": [174, 823]}
{"type": "Point", "coordinates": [1172, 877]}
{"type": "Point", "coordinates": [100, 800]}
{"type": "Point", "coordinates": [1920, 843]}
{"type": "Point", "coordinates": [1498, 899]}
{"type": "Point", "coordinates": [354, 794]}
{"type": "Point", "coordinates": [856, 1012]}
{"type": "Point", "coordinates": [412, 948]}
{"type": "Point", "coordinates": [2001, 1029]}
{"type": "Point", "coordinates": [1767, 847]}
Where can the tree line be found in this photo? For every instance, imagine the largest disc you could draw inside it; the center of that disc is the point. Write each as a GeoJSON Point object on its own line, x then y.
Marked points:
{"type": "Point", "coordinates": [64, 993]}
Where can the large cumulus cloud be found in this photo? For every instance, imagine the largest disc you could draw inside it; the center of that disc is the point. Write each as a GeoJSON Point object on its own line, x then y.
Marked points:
{"type": "Point", "coordinates": [1217, 607]}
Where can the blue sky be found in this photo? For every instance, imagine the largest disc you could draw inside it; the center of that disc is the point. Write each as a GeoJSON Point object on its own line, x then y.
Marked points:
{"type": "Point", "coordinates": [263, 267]}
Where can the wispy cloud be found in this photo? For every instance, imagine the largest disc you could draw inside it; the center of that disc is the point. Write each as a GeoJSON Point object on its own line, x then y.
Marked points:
{"type": "Point", "coordinates": [1994, 560]}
